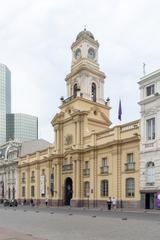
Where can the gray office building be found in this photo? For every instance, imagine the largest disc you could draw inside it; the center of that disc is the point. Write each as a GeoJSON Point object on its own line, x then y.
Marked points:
{"type": "Point", "coordinates": [5, 99]}
{"type": "Point", "coordinates": [21, 127]}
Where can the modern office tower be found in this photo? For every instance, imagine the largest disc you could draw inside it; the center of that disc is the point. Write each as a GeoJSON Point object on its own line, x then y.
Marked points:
{"type": "Point", "coordinates": [5, 99]}
{"type": "Point", "coordinates": [21, 127]}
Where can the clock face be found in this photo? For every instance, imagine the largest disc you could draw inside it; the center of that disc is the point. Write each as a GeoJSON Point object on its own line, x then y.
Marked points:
{"type": "Point", "coordinates": [78, 53]}
{"type": "Point", "coordinates": [91, 53]}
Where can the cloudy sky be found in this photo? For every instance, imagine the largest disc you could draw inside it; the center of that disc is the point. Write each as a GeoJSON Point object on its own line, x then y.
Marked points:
{"type": "Point", "coordinates": [35, 40]}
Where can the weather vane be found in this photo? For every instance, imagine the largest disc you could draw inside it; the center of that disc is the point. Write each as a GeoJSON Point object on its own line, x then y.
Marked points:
{"type": "Point", "coordinates": [144, 69]}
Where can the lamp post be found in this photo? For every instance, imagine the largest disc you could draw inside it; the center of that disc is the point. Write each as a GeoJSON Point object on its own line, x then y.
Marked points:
{"type": "Point", "coordinates": [88, 199]}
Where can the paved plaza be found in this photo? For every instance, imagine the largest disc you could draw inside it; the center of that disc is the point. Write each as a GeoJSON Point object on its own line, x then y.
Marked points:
{"type": "Point", "coordinates": [26, 223]}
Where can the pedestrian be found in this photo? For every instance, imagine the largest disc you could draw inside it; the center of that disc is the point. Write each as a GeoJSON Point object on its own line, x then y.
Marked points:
{"type": "Point", "coordinates": [46, 202]}
{"type": "Point", "coordinates": [24, 202]}
{"type": "Point", "coordinates": [109, 203]}
{"type": "Point", "coordinates": [31, 202]}
{"type": "Point", "coordinates": [114, 203]}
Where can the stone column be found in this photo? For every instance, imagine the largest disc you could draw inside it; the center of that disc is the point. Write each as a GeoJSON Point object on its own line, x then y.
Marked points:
{"type": "Point", "coordinates": [74, 180]}
{"type": "Point", "coordinates": [78, 182]}
{"type": "Point", "coordinates": [28, 183]}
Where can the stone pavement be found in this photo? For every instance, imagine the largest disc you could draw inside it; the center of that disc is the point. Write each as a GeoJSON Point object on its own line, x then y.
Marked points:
{"type": "Point", "coordinates": [8, 234]}
{"type": "Point", "coordinates": [71, 224]}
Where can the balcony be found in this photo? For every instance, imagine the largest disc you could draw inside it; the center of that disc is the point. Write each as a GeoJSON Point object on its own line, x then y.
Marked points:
{"type": "Point", "coordinates": [67, 167]}
{"type": "Point", "coordinates": [104, 170]}
{"type": "Point", "coordinates": [150, 184]}
{"type": "Point", "coordinates": [130, 167]}
{"type": "Point", "coordinates": [86, 172]}
{"type": "Point", "coordinates": [23, 180]}
{"type": "Point", "coordinates": [32, 179]}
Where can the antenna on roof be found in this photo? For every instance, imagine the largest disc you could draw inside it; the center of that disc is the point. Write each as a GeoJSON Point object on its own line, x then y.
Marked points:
{"type": "Point", "coordinates": [144, 69]}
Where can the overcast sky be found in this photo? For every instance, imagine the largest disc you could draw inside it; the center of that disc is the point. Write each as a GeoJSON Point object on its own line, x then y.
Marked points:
{"type": "Point", "coordinates": [35, 40]}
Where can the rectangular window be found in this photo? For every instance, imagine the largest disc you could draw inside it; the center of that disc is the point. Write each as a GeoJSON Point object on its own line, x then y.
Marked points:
{"type": "Point", "coordinates": [150, 90]}
{"type": "Point", "coordinates": [150, 129]}
{"type": "Point", "coordinates": [86, 164]}
{"type": "Point", "coordinates": [130, 187]}
{"type": "Point", "coordinates": [86, 189]}
{"type": "Point", "coordinates": [130, 158]}
{"type": "Point", "coordinates": [104, 162]}
{"type": "Point", "coordinates": [104, 188]}
{"type": "Point", "coordinates": [130, 165]}
{"type": "Point", "coordinates": [104, 168]}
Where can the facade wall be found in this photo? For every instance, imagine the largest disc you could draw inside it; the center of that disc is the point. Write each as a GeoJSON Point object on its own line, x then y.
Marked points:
{"type": "Point", "coordinates": [150, 139]}
{"type": "Point", "coordinates": [51, 163]}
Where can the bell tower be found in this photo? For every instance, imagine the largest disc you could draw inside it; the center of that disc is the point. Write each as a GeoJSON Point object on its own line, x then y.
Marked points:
{"type": "Point", "coordinates": [85, 77]}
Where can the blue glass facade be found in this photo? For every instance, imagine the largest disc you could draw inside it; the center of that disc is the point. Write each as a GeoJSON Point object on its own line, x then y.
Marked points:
{"type": "Point", "coordinates": [22, 127]}
{"type": "Point", "coordinates": [5, 100]}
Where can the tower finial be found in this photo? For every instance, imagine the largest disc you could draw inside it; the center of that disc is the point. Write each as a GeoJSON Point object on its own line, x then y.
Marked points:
{"type": "Point", "coordinates": [84, 27]}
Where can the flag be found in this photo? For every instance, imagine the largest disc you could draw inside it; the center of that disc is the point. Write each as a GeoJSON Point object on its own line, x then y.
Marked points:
{"type": "Point", "coordinates": [120, 110]}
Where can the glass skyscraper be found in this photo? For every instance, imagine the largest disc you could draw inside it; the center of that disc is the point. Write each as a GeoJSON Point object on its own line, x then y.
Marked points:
{"type": "Point", "coordinates": [13, 126]}
{"type": "Point", "coordinates": [21, 127]}
{"type": "Point", "coordinates": [5, 99]}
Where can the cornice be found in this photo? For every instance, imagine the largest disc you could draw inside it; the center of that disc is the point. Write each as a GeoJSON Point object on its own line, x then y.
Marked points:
{"type": "Point", "coordinates": [85, 67]}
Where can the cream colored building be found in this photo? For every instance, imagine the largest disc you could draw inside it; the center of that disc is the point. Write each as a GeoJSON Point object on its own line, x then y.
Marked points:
{"type": "Point", "coordinates": [90, 161]}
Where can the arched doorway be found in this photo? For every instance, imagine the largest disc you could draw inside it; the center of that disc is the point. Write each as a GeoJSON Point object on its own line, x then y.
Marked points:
{"type": "Point", "coordinates": [68, 191]}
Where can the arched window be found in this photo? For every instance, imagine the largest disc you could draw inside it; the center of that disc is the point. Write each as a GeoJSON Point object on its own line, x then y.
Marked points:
{"type": "Point", "coordinates": [32, 191]}
{"type": "Point", "coordinates": [52, 185]}
{"type": "Point", "coordinates": [9, 193]}
{"type": "Point", "coordinates": [23, 191]}
{"type": "Point", "coordinates": [75, 90]}
{"type": "Point", "coordinates": [23, 177]}
{"type": "Point", "coordinates": [104, 188]}
{"type": "Point", "coordinates": [13, 193]}
{"type": "Point", "coordinates": [86, 189]}
{"type": "Point", "coordinates": [93, 92]}
{"type": "Point", "coordinates": [32, 177]}
{"type": "Point", "coordinates": [150, 173]}
{"type": "Point", "coordinates": [130, 187]}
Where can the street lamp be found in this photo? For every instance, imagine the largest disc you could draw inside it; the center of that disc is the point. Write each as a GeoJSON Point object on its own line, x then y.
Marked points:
{"type": "Point", "coordinates": [88, 198]}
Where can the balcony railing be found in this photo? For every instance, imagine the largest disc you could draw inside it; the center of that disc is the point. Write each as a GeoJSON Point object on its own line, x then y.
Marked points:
{"type": "Point", "coordinates": [86, 171]}
{"type": "Point", "coordinates": [23, 179]}
{"type": "Point", "coordinates": [67, 167]}
{"type": "Point", "coordinates": [104, 169]}
{"type": "Point", "coordinates": [33, 179]}
{"type": "Point", "coordinates": [130, 166]}
{"type": "Point", "coordinates": [150, 183]}
{"type": "Point", "coordinates": [68, 99]}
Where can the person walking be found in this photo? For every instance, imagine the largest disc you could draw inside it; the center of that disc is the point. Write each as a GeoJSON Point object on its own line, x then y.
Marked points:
{"type": "Point", "coordinates": [109, 203]}
{"type": "Point", "coordinates": [114, 203]}
{"type": "Point", "coordinates": [46, 201]}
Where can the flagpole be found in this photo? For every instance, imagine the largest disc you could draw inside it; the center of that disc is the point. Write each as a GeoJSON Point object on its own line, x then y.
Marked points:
{"type": "Point", "coordinates": [120, 112]}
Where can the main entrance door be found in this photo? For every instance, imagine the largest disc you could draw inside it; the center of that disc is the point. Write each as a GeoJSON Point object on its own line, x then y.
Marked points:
{"type": "Point", "coordinates": [149, 201]}
{"type": "Point", "coordinates": [68, 191]}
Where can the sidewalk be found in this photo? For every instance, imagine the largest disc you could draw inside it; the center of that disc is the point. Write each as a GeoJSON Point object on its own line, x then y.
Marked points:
{"type": "Point", "coordinates": [9, 234]}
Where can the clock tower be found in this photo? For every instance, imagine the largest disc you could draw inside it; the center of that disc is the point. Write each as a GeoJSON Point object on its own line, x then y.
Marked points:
{"type": "Point", "coordinates": [85, 77]}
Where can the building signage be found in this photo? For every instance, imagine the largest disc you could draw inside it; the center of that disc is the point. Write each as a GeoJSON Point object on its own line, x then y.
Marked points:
{"type": "Point", "coordinates": [43, 184]}
{"type": "Point", "coordinates": [158, 199]}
